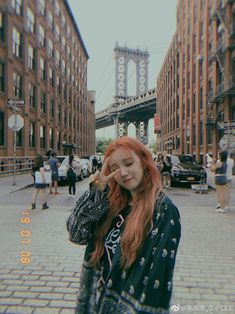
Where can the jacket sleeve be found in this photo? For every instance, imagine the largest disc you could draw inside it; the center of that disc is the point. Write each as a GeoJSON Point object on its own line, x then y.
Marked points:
{"type": "Point", "coordinates": [89, 208]}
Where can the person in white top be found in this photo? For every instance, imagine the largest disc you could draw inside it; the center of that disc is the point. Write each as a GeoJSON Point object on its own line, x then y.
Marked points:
{"type": "Point", "coordinates": [229, 175]}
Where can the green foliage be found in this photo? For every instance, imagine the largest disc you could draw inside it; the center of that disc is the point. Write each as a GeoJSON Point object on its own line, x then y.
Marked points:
{"type": "Point", "coordinates": [101, 145]}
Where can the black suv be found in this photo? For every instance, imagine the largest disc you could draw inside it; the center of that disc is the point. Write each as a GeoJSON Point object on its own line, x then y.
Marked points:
{"type": "Point", "coordinates": [186, 170]}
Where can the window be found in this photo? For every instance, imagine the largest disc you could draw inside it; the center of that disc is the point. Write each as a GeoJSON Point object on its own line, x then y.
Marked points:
{"type": "Point", "coordinates": [58, 84]}
{"type": "Point", "coordinates": [68, 53]}
{"type": "Point", "coordinates": [31, 134]}
{"type": "Point", "coordinates": [63, 43]}
{"type": "Point", "coordinates": [65, 91]}
{"type": "Point", "coordinates": [201, 132]}
{"type": "Point", "coordinates": [2, 35]}
{"type": "Point", "coordinates": [42, 68]}
{"type": "Point", "coordinates": [17, 6]}
{"type": "Point", "coordinates": [41, 6]}
{"type": "Point", "coordinates": [194, 134]}
{"type": "Point", "coordinates": [50, 48]}
{"type": "Point", "coordinates": [50, 20]}
{"type": "Point", "coordinates": [19, 138]}
{"type": "Point", "coordinates": [52, 109]}
{"type": "Point", "coordinates": [32, 96]}
{"type": "Point", "coordinates": [57, 8]}
{"type": "Point", "coordinates": [17, 43]}
{"type": "Point", "coordinates": [58, 140]}
{"type": "Point", "coordinates": [233, 69]}
{"type": "Point", "coordinates": [57, 33]}
{"type": "Point", "coordinates": [43, 102]}
{"type": "Point", "coordinates": [57, 58]}
{"type": "Point", "coordinates": [41, 35]}
{"type": "Point", "coordinates": [68, 73]}
{"type": "Point", "coordinates": [209, 135]}
{"type": "Point", "coordinates": [201, 98]}
{"type": "Point", "coordinates": [233, 22]}
{"type": "Point", "coordinates": [2, 128]}
{"type": "Point", "coordinates": [63, 66]}
{"type": "Point", "coordinates": [51, 137]}
{"type": "Point", "coordinates": [31, 57]}
{"type": "Point", "coordinates": [17, 85]}
{"type": "Point", "coordinates": [2, 77]}
{"type": "Point", "coordinates": [42, 136]}
{"type": "Point", "coordinates": [59, 112]}
{"type": "Point", "coordinates": [194, 103]}
{"type": "Point", "coordinates": [51, 77]}
{"type": "Point", "coordinates": [30, 20]}
{"type": "Point", "coordinates": [68, 32]}
{"type": "Point", "coordinates": [62, 21]}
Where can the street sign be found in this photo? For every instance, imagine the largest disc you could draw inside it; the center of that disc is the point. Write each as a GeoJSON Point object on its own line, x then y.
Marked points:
{"type": "Point", "coordinates": [18, 102]}
{"type": "Point", "coordinates": [15, 123]}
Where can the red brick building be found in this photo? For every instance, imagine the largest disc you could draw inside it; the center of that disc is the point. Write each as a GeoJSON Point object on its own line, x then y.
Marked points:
{"type": "Point", "coordinates": [196, 84]}
{"type": "Point", "coordinates": [43, 60]}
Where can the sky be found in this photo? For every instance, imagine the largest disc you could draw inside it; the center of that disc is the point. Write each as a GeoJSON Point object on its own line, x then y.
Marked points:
{"type": "Point", "coordinates": [148, 24]}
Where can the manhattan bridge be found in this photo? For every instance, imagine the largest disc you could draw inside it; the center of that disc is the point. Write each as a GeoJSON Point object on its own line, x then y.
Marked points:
{"type": "Point", "coordinates": [124, 109]}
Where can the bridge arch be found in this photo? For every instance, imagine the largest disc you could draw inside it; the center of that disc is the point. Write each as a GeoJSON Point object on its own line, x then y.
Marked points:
{"type": "Point", "coordinates": [122, 56]}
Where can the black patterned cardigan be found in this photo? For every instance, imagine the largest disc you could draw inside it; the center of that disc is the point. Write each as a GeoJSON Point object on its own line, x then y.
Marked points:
{"type": "Point", "coordinates": [146, 286]}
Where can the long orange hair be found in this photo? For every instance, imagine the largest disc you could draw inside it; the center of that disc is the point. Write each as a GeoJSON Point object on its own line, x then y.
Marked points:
{"type": "Point", "coordinates": [139, 220]}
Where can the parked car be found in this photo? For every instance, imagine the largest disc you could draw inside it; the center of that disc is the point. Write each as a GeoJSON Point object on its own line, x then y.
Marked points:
{"type": "Point", "coordinates": [85, 167]}
{"type": "Point", "coordinates": [186, 170]}
{"type": "Point", "coordinates": [64, 167]}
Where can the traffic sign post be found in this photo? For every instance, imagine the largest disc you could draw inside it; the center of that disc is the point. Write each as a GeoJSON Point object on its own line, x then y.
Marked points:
{"type": "Point", "coordinates": [15, 122]}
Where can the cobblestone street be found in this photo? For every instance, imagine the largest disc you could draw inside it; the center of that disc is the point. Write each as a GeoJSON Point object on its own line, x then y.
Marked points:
{"type": "Point", "coordinates": [204, 275]}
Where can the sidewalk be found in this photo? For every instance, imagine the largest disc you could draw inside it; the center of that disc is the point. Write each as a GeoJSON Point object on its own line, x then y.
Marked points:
{"type": "Point", "coordinates": [21, 181]}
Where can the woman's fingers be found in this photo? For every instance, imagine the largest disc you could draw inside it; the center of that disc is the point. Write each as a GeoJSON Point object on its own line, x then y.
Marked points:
{"type": "Point", "coordinates": [105, 166]}
{"type": "Point", "coordinates": [113, 174]}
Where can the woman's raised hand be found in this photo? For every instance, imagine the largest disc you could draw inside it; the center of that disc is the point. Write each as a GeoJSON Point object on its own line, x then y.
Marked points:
{"type": "Point", "coordinates": [99, 179]}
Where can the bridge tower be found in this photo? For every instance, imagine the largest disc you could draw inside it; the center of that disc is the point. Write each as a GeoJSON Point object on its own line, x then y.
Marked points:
{"type": "Point", "coordinates": [122, 56]}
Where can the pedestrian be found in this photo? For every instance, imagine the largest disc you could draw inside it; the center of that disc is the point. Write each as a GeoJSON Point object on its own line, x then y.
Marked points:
{"type": "Point", "coordinates": [229, 176]}
{"type": "Point", "coordinates": [166, 172]}
{"type": "Point", "coordinates": [219, 167]}
{"type": "Point", "coordinates": [132, 231]}
{"type": "Point", "coordinates": [99, 167]}
{"type": "Point", "coordinates": [94, 164]}
{"type": "Point", "coordinates": [71, 175]}
{"type": "Point", "coordinates": [159, 162]}
{"type": "Point", "coordinates": [48, 153]}
{"type": "Point", "coordinates": [54, 165]}
{"type": "Point", "coordinates": [40, 188]}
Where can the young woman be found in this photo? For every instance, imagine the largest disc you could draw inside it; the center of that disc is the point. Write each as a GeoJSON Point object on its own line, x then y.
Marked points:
{"type": "Point", "coordinates": [40, 188]}
{"type": "Point", "coordinates": [132, 231]}
{"type": "Point", "coordinates": [219, 167]}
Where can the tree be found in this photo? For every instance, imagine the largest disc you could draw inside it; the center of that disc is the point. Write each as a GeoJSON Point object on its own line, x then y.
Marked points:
{"type": "Point", "coordinates": [101, 145]}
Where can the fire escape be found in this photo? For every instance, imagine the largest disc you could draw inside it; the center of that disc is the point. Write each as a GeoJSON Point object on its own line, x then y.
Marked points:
{"type": "Point", "coordinates": [225, 45]}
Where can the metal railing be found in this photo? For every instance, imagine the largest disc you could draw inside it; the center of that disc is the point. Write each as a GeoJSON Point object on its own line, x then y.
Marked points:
{"type": "Point", "coordinates": [21, 165]}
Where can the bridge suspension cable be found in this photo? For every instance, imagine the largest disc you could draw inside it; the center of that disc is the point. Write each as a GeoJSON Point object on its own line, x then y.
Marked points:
{"type": "Point", "coordinates": [103, 72]}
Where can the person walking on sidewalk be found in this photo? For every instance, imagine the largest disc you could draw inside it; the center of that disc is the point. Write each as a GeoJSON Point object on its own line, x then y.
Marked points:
{"type": "Point", "coordinates": [132, 231]}
{"type": "Point", "coordinates": [40, 188]}
{"type": "Point", "coordinates": [166, 172]}
{"type": "Point", "coordinates": [54, 165]}
{"type": "Point", "coordinates": [229, 174]}
{"type": "Point", "coordinates": [71, 175]}
{"type": "Point", "coordinates": [219, 167]}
